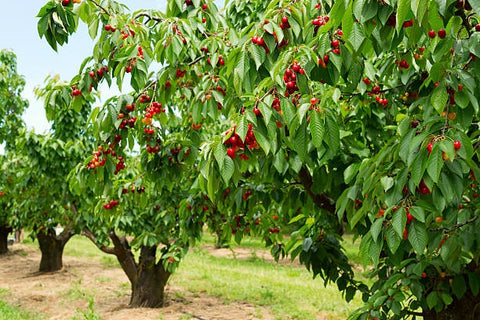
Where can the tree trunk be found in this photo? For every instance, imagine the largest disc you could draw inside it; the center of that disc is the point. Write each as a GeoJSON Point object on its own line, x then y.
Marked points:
{"type": "Point", "coordinates": [4, 231]}
{"type": "Point", "coordinates": [148, 289]}
{"type": "Point", "coordinates": [51, 247]}
{"type": "Point", "coordinates": [467, 308]}
{"type": "Point", "coordinates": [147, 278]}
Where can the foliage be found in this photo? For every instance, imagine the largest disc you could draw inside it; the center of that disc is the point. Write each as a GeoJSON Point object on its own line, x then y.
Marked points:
{"type": "Point", "coordinates": [358, 112]}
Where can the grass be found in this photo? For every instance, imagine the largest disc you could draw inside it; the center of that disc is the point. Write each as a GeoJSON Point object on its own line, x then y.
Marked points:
{"type": "Point", "coordinates": [288, 291]}
{"type": "Point", "coordinates": [9, 312]}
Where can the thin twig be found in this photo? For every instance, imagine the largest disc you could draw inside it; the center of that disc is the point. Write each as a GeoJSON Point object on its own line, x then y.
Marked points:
{"type": "Point", "coordinates": [148, 16]}
{"type": "Point", "coordinates": [101, 7]}
{"type": "Point", "coordinates": [455, 227]}
{"type": "Point", "coordinates": [196, 60]}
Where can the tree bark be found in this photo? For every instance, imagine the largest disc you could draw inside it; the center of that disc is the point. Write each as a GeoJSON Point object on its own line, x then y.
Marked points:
{"type": "Point", "coordinates": [52, 247]}
{"type": "Point", "coordinates": [149, 287]}
{"type": "Point", "coordinates": [467, 308]}
{"type": "Point", "coordinates": [147, 278]}
{"type": "Point", "coordinates": [4, 231]}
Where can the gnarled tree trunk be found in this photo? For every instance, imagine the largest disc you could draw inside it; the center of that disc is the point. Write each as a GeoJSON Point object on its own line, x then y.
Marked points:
{"type": "Point", "coordinates": [147, 278]}
{"type": "Point", "coordinates": [52, 247]}
{"type": "Point", "coordinates": [4, 231]}
{"type": "Point", "coordinates": [149, 287]}
{"type": "Point", "coordinates": [467, 308]}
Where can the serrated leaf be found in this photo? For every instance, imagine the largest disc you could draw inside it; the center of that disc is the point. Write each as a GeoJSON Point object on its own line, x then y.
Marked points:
{"type": "Point", "coordinates": [357, 36]}
{"type": "Point", "coordinates": [332, 134]}
{"type": "Point", "coordinates": [435, 163]}
{"type": "Point", "coordinates": [418, 213]}
{"type": "Point", "coordinates": [417, 236]}
{"type": "Point", "coordinates": [227, 169]}
{"type": "Point", "coordinates": [317, 129]}
{"type": "Point", "coordinates": [399, 221]}
{"type": "Point", "coordinates": [242, 127]}
{"type": "Point", "coordinates": [402, 13]}
{"type": "Point", "coordinates": [376, 228]}
{"type": "Point", "coordinates": [219, 153]}
{"type": "Point", "coordinates": [393, 240]}
{"type": "Point", "coordinates": [439, 98]}
{"type": "Point", "coordinates": [459, 286]}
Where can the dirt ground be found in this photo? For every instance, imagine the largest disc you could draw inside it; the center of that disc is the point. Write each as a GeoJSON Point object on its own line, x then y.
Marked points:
{"type": "Point", "coordinates": [65, 294]}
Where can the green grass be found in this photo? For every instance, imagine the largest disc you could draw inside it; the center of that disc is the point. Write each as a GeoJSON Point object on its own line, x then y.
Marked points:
{"type": "Point", "coordinates": [9, 312]}
{"type": "Point", "coordinates": [288, 292]}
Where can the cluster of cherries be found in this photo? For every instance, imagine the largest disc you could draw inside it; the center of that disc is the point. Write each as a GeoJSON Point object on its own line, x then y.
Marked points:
{"type": "Point", "coordinates": [99, 73]}
{"type": "Point", "coordinates": [109, 28]}
{"type": "Point", "coordinates": [220, 61]}
{"type": "Point", "coordinates": [180, 73]}
{"type": "Point", "coordinates": [132, 189]}
{"type": "Point", "coordinates": [76, 92]}
{"type": "Point", "coordinates": [259, 41]}
{"type": "Point", "coordinates": [335, 44]}
{"type": "Point", "coordinates": [402, 64]}
{"type": "Point", "coordinates": [276, 104]}
{"type": "Point", "coordinates": [234, 143]}
{"type": "Point", "coordinates": [247, 195]}
{"type": "Point", "coordinates": [112, 204]}
{"type": "Point", "coordinates": [376, 92]}
{"type": "Point", "coordinates": [290, 78]}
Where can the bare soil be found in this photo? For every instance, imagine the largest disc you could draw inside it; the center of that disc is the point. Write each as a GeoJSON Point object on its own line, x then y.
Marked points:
{"type": "Point", "coordinates": [65, 294]}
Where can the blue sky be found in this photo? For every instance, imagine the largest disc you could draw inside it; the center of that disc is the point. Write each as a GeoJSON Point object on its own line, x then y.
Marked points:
{"type": "Point", "coordinates": [35, 59]}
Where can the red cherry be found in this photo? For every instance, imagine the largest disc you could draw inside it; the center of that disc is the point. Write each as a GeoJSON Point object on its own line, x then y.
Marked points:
{"type": "Point", "coordinates": [442, 33]}
{"type": "Point", "coordinates": [429, 147]}
{"type": "Point", "coordinates": [128, 69]}
{"type": "Point", "coordinates": [431, 34]}
{"type": "Point", "coordinates": [65, 2]}
{"type": "Point", "coordinates": [405, 234]}
{"type": "Point", "coordinates": [91, 74]}
{"type": "Point", "coordinates": [477, 27]}
{"type": "Point", "coordinates": [326, 58]}
{"type": "Point", "coordinates": [231, 153]}
{"type": "Point", "coordinates": [204, 6]}
{"type": "Point", "coordinates": [457, 144]}
{"type": "Point", "coordinates": [335, 43]}
{"type": "Point", "coordinates": [424, 275]}
{"type": "Point", "coordinates": [366, 81]}
{"type": "Point", "coordinates": [313, 100]}
{"type": "Point", "coordinates": [284, 19]}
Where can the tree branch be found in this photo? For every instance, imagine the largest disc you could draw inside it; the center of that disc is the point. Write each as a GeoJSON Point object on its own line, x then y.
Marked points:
{"type": "Point", "coordinates": [87, 233]}
{"type": "Point", "coordinates": [99, 6]}
{"type": "Point", "coordinates": [321, 200]}
{"type": "Point", "coordinates": [414, 313]}
{"type": "Point", "coordinates": [148, 16]}
{"type": "Point", "coordinates": [455, 227]}
{"type": "Point", "coordinates": [196, 60]}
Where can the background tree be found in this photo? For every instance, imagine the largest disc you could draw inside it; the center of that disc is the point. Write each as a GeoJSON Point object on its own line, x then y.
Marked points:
{"type": "Point", "coordinates": [44, 198]}
{"type": "Point", "coordinates": [365, 111]}
{"type": "Point", "coordinates": [12, 106]}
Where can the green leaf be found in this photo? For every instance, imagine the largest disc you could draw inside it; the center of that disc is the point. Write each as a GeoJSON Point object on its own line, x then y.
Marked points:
{"type": "Point", "coordinates": [432, 299]}
{"type": "Point", "coordinates": [459, 286]}
{"type": "Point", "coordinates": [376, 228]}
{"type": "Point", "coordinates": [351, 172]}
{"type": "Point", "coordinates": [357, 36]}
{"type": "Point", "coordinates": [418, 213]}
{"type": "Point", "coordinates": [439, 98]}
{"type": "Point", "coordinates": [242, 128]}
{"type": "Point", "coordinates": [402, 13]}
{"type": "Point", "coordinates": [399, 221]}
{"type": "Point", "coordinates": [435, 163]}
{"type": "Point", "coordinates": [417, 235]}
{"type": "Point", "coordinates": [332, 134]}
{"type": "Point", "coordinates": [317, 129]}
{"type": "Point", "coordinates": [393, 240]}
{"type": "Point", "coordinates": [474, 283]}
{"type": "Point", "coordinates": [227, 169]}
{"type": "Point", "coordinates": [301, 142]}
{"type": "Point", "coordinates": [258, 54]}
{"type": "Point", "coordinates": [404, 148]}
{"type": "Point", "coordinates": [220, 153]}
